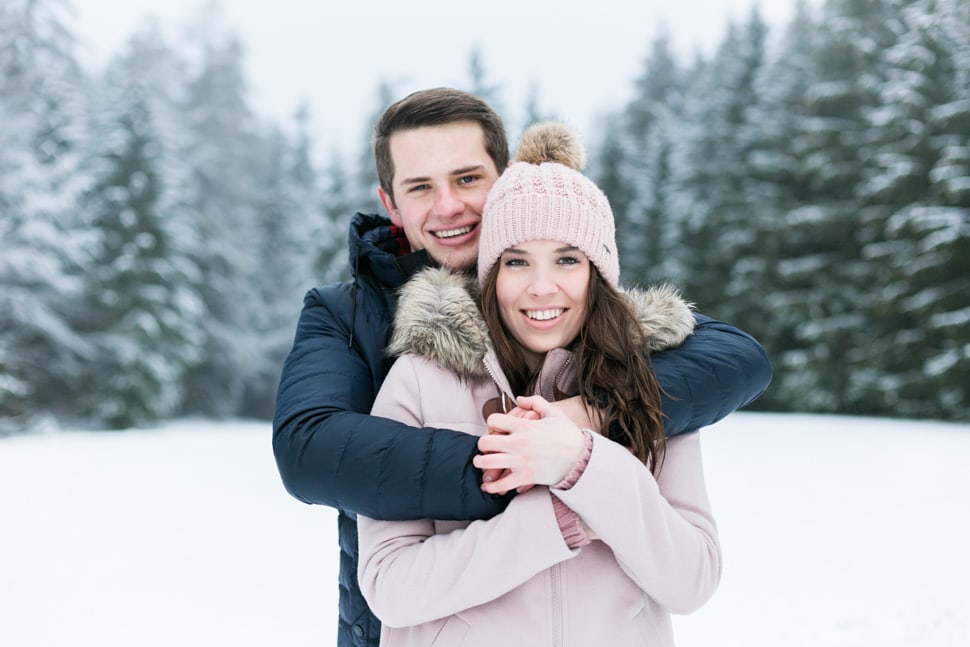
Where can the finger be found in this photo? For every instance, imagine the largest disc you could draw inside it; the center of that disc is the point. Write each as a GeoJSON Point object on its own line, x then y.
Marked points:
{"type": "Point", "coordinates": [503, 423]}
{"type": "Point", "coordinates": [495, 461]}
{"type": "Point", "coordinates": [527, 402]}
{"type": "Point", "coordinates": [491, 442]}
{"type": "Point", "coordinates": [541, 406]}
{"type": "Point", "coordinates": [512, 481]}
{"type": "Point", "coordinates": [500, 423]}
{"type": "Point", "coordinates": [491, 475]}
{"type": "Point", "coordinates": [498, 442]}
{"type": "Point", "coordinates": [527, 414]}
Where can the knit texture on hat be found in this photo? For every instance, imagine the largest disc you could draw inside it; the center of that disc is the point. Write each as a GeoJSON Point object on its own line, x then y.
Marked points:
{"type": "Point", "coordinates": [543, 196]}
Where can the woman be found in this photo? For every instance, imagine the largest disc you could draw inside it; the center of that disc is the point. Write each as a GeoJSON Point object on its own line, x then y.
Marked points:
{"type": "Point", "coordinates": [610, 533]}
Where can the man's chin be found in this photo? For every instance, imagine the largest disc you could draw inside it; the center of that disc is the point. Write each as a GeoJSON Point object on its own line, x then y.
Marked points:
{"type": "Point", "coordinates": [457, 263]}
{"type": "Point", "coordinates": [459, 259]}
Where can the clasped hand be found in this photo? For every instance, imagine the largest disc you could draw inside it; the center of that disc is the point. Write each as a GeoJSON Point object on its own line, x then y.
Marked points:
{"type": "Point", "coordinates": [534, 444]}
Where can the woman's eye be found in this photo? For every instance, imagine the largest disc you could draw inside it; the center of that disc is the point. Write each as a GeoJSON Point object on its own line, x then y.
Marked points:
{"type": "Point", "coordinates": [514, 262]}
{"type": "Point", "coordinates": [568, 260]}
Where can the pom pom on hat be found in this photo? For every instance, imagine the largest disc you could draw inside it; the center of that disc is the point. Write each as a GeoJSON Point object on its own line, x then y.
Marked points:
{"type": "Point", "coordinates": [543, 196]}
{"type": "Point", "coordinates": [551, 142]}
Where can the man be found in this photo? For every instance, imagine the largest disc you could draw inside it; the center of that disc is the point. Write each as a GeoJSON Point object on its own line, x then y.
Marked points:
{"type": "Point", "coordinates": [438, 152]}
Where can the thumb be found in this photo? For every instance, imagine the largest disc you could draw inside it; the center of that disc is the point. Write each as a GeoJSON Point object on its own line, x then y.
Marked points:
{"type": "Point", "coordinates": [540, 405]}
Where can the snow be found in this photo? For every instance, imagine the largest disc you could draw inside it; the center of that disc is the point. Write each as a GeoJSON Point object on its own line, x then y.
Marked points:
{"type": "Point", "coordinates": [836, 531]}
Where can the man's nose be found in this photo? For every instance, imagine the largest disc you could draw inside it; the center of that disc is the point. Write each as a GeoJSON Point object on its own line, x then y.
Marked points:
{"type": "Point", "coordinates": [447, 202]}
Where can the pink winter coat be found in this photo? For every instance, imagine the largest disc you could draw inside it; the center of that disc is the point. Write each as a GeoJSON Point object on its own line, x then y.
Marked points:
{"type": "Point", "coordinates": [512, 580]}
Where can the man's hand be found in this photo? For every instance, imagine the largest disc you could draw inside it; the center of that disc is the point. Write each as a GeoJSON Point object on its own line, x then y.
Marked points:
{"type": "Point", "coordinates": [584, 417]}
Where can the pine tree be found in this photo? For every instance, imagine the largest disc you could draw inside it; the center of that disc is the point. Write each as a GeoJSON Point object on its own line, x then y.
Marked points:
{"type": "Point", "coordinates": [920, 182]}
{"type": "Point", "coordinates": [289, 226]}
{"type": "Point", "coordinates": [639, 185]}
{"type": "Point", "coordinates": [824, 275]}
{"type": "Point", "coordinates": [221, 156]}
{"type": "Point", "coordinates": [777, 189]}
{"type": "Point", "coordinates": [330, 256]}
{"type": "Point", "coordinates": [140, 310]}
{"type": "Point", "coordinates": [363, 192]}
{"type": "Point", "coordinates": [713, 172]}
{"type": "Point", "coordinates": [41, 123]}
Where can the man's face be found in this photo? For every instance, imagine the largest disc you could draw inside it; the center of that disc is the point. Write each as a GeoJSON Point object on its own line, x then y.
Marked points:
{"type": "Point", "coordinates": [442, 175]}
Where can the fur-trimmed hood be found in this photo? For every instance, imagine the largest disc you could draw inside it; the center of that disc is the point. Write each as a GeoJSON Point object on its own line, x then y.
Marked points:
{"type": "Point", "coordinates": [437, 318]}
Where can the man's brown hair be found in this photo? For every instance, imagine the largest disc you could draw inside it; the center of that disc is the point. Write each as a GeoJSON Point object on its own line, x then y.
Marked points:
{"type": "Point", "coordinates": [437, 107]}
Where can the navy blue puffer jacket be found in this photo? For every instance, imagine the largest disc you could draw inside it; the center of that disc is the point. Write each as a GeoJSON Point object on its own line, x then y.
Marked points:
{"type": "Point", "coordinates": [329, 451]}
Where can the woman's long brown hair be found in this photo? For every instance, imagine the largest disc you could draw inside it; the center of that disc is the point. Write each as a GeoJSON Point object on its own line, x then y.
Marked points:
{"type": "Point", "coordinates": [613, 370]}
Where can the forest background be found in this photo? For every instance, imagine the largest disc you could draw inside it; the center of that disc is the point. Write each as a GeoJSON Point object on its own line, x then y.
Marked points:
{"type": "Point", "coordinates": [156, 236]}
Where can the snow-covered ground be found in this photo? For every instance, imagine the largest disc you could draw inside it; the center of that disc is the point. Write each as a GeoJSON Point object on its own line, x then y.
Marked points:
{"type": "Point", "coordinates": [836, 532]}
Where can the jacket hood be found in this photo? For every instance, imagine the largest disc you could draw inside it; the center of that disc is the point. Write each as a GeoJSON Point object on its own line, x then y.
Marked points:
{"type": "Point", "coordinates": [378, 248]}
{"type": "Point", "coordinates": [437, 318]}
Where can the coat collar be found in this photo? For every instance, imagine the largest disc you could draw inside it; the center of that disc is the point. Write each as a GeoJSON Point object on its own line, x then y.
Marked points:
{"type": "Point", "coordinates": [438, 318]}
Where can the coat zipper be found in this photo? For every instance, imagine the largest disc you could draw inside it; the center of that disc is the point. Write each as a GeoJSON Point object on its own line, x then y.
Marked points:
{"type": "Point", "coordinates": [557, 628]}
{"type": "Point", "coordinates": [506, 398]}
{"type": "Point", "coordinates": [555, 572]}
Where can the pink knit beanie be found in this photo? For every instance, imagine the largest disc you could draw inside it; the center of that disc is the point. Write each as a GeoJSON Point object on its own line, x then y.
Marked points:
{"type": "Point", "coordinates": [543, 196]}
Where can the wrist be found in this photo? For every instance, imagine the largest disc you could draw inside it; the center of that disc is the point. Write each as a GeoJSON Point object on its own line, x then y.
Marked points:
{"type": "Point", "coordinates": [579, 466]}
{"type": "Point", "coordinates": [570, 525]}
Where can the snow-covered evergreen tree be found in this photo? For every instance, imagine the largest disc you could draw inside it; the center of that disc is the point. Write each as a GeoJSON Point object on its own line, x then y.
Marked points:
{"type": "Point", "coordinates": [776, 190]}
{"type": "Point", "coordinates": [221, 155]}
{"type": "Point", "coordinates": [41, 101]}
{"type": "Point", "coordinates": [713, 173]}
{"type": "Point", "coordinates": [634, 170]}
{"type": "Point", "coordinates": [330, 256]}
{"type": "Point", "coordinates": [290, 224]}
{"type": "Point", "coordinates": [363, 189]}
{"type": "Point", "coordinates": [141, 309]}
{"type": "Point", "coordinates": [919, 182]}
{"type": "Point", "coordinates": [824, 272]}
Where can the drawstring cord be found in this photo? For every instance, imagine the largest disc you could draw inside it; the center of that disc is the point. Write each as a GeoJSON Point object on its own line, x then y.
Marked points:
{"type": "Point", "coordinates": [353, 315]}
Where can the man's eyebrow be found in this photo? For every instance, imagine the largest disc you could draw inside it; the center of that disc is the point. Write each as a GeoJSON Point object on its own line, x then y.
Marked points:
{"type": "Point", "coordinates": [465, 170]}
{"type": "Point", "coordinates": [416, 180]}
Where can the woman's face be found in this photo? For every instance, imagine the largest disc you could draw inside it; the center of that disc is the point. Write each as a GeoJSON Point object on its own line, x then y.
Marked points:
{"type": "Point", "coordinates": [541, 292]}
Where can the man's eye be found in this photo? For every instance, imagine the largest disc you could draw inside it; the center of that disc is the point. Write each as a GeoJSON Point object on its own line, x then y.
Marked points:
{"type": "Point", "coordinates": [419, 187]}
{"type": "Point", "coordinates": [467, 179]}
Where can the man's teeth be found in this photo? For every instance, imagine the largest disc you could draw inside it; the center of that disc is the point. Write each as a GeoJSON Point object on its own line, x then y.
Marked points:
{"type": "Point", "coordinates": [543, 315]}
{"type": "Point", "coordinates": [451, 233]}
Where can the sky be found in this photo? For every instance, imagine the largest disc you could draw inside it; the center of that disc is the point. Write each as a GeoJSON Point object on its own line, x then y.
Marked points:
{"type": "Point", "coordinates": [581, 62]}
{"type": "Point", "coordinates": [836, 532]}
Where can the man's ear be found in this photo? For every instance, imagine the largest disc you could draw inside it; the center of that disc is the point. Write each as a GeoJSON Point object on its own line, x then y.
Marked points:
{"type": "Point", "coordinates": [389, 206]}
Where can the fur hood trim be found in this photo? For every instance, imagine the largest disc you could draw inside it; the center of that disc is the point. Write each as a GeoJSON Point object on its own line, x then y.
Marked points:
{"type": "Point", "coordinates": [437, 318]}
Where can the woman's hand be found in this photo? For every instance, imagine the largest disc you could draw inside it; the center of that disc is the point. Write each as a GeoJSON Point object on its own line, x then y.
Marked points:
{"type": "Point", "coordinates": [494, 475]}
{"type": "Point", "coordinates": [528, 451]}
